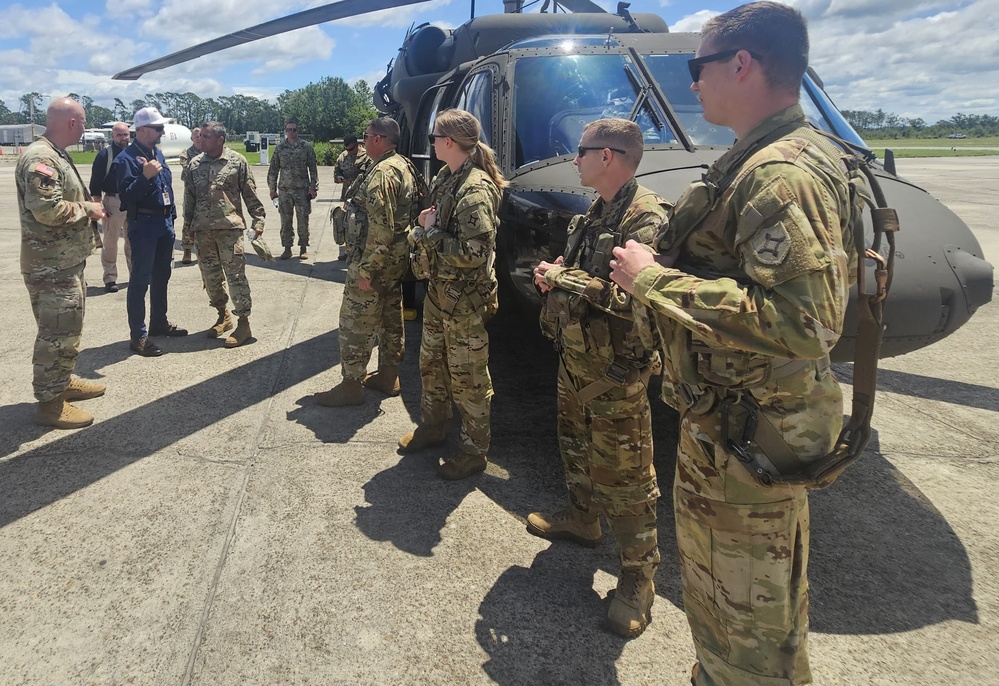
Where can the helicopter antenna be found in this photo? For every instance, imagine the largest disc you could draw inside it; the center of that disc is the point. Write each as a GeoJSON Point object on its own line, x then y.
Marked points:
{"type": "Point", "coordinates": [622, 11]}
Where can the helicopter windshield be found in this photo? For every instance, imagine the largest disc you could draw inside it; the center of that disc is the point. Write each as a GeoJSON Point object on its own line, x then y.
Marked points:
{"type": "Point", "coordinates": [556, 96]}
{"type": "Point", "coordinates": [671, 72]}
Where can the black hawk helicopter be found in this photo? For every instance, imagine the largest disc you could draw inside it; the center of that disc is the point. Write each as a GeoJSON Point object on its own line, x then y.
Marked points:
{"type": "Point", "coordinates": [535, 79]}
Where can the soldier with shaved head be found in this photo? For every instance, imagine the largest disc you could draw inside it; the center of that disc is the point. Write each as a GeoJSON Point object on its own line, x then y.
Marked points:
{"type": "Point", "coordinates": [56, 210]}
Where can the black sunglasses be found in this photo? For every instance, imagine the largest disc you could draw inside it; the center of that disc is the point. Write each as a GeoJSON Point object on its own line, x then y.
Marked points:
{"type": "Point", "coordinates": [292, 129]}
{"type": "Point", "coordinates": [432, 137]}
{"type": "Point", "coordinates": [697, 64]}
{"type": "Point", "coordinates": [159, 128]}
{"type": "Point", "coordinates": [581, 150]}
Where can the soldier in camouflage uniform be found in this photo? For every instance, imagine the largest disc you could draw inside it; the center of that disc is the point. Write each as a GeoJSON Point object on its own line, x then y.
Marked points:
{"type": "Point", "coordinates": [216, 184]}
{"type": "Point", "coordinates": [380, 214]}
{"type": "Point", "coordinates": [455, 250]}
{"type": "Point", "coordinates": [187, 237]}
{"type": "Point", "coordinates": [293, 179]}
{"type": "Point", "coordinates": [350, 164]}
{"type": "Point", "coordinates": [750, 296]}
{"type": "Point", "coordinates": [56, 210]}
{"type": "Point", "coordinates": [608, 351]}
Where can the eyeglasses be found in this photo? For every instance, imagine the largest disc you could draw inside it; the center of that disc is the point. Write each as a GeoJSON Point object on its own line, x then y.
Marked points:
{"type": "Point", "coordinates": [697, 64]}
{"type": "Point", "coordinates": [156, 128]}
{"type": "Point", "coordinates": [291, 129]}
{"type": "Point", "coordinates": [366, 136]}
{"type": "Point", "coordinates": [581, 150]}
{"type": "Point", "coordinates": [432, 137]}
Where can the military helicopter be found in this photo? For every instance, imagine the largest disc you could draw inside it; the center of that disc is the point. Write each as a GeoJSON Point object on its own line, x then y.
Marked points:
{"type": "Point", "coordinates": [535, 79]}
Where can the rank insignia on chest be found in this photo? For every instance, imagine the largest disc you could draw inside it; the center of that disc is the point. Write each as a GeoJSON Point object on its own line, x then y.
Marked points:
{"type": "Point", "coordinates": [45, 169]}
{"type": "Point", "coordinates": [772, 244]}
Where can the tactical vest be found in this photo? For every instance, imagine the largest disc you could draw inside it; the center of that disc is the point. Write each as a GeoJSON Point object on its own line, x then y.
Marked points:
{"type": "Point", "coordinates": [712, 378]}
{"type": "Point", "coordinates": [456, 290]}
{"type": "Point", "coordinates": [622, 349]}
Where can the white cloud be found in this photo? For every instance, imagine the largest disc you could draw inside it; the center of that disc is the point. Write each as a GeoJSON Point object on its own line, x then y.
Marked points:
{"type": "Point", "coordinates": [693, 22]}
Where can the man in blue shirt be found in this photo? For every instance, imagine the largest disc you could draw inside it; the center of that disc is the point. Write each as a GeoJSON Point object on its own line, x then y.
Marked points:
{"type": "Point", "coordinates": [145, 188]}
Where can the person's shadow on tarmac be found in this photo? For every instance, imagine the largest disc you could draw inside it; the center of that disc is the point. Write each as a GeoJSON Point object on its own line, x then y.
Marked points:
{"type": "Point", "coordinates": [883, 559]}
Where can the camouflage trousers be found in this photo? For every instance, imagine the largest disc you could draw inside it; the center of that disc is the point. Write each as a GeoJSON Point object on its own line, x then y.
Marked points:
{"type": "Point", "coordinates": [454, 365]}
{"type": "Point", "coordinates": [743, 562]}
{"type": "Point", "coordinates": [606, 447]}
{"type": "Point", "coordinates": [367, 319]}
{"type": "Point", "coordinates": [291, 203]}
{"type": "Point", "coordinates": [58, 302]}
{"type": "Point", "coordinates": [222, 263]}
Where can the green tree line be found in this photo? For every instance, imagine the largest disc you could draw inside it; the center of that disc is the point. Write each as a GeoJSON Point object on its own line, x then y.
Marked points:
{"type": "Point", "coordinates": [881, 124]}
{"type": "Point", "coordinates": [324, 110]}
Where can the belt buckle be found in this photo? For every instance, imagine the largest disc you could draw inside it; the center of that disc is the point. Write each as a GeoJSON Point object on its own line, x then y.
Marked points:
{"type": "Point", "coordinates": [618, 373]}
{"type": "Point", "coordinates": [451, 293]}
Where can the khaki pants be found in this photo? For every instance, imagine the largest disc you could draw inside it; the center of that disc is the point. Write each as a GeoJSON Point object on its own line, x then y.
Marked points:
{"type": "Point", "coordinates": [114, 225]}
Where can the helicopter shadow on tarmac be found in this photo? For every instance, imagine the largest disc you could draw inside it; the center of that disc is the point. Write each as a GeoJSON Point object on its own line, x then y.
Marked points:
{"type": "Point", "coordinates": [883, 559]}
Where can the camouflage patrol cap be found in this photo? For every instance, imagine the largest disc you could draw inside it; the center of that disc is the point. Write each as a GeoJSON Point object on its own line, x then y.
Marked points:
{"type": "Point", "coordinates": [259, 247]}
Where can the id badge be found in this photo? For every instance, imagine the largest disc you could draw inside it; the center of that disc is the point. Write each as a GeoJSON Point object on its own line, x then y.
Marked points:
{"type": "Point", "coordinates": [166, 199]}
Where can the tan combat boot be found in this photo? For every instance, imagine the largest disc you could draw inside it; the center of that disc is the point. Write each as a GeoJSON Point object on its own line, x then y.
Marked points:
{"type": "Point", "coordinates": [81, 389]}
{"type": "Point", "coordinates": [461, 466]}
{"type": "Point", "coordinates": [347, 392]}
{"type": "Point", "coordinates": [568, 524]}
{"type": "Point", "coordinates": [240, 335]}
{"type": "Point", "coordinates": [631, 610]}
{"type": "Point", "coordinates": [222, 324]}
{"type": "Point", "coordinates": [60, 414]}
{"type": "Point", "coordinates": [424, 436]}
{"type": "Point", "coordinates": [385, 380]}
{"type": "Point", "coordinates": [186, 259]}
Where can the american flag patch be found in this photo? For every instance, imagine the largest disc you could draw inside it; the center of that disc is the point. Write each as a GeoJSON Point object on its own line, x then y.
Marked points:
{"type": "Point", "coordinates": [43, 168]}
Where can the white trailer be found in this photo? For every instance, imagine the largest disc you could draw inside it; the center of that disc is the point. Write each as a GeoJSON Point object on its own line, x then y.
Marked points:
{"type": "Point", "coordinates": [19, 134]}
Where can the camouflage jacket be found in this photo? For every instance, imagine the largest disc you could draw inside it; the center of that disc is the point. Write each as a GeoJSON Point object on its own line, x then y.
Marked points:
{"type": "Point", "coordinates": [52, 203]}
{"type": "Point", "coordinates": [215, 190]}
{"type": "Point", "coordinates": [385, 195]}
{"type": "Point", "coordinates": [186, 157]}
{"type": "Point", "coordinates": [592, 319]}
{"type": "Point", "coordinates": [461, 246]}
{"type": "Point", "coordinates": [348, 167]}
{"type": "Point", "coordinates": [296, 167]}
{"type": "Point", "coordinates": [762, 275]}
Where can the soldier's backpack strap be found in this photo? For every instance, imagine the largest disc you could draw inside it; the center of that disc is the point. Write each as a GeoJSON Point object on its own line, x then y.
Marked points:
{"type": "Point", "coordinates": [782, 464]}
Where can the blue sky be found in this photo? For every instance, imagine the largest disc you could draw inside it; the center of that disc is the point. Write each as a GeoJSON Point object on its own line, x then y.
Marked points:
{"type": "Point", "coordinates": [917, 58]}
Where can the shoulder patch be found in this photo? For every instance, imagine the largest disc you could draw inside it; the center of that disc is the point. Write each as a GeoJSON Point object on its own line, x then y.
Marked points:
{"type": "Point", "coordinates": [45, 169]}
{"type": "Point", "coordinates": [771, 245]}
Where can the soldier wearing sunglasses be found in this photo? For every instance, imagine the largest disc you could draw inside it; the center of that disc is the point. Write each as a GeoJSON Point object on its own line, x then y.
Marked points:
{"type": "Point", "coordinates": [607, 351]}
{"type": "Point", "coordinates": [749, 298]}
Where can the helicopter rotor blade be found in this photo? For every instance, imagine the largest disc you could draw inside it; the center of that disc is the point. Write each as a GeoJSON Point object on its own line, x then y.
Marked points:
{"type": "Point", "coordinates": [581, 6]}
{"type": "Point", "coordinates": [316, 15]}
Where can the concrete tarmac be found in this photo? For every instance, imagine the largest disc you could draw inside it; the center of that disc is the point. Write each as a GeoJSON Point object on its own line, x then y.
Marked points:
{"type": "Point", "coordinates": [216, 526]}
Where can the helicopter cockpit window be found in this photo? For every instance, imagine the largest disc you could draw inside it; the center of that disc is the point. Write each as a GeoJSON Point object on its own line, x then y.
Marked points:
{"type": "Point", "coordinates": [476, 97]}
{"type": "Point", "coordinates": [673, 76]}
{"type": "Point", "coordinates": [555, 97]}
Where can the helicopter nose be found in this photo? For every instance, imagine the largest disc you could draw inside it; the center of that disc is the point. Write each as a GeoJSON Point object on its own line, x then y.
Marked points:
{"type": "Point", "coordinates": [974, 274]}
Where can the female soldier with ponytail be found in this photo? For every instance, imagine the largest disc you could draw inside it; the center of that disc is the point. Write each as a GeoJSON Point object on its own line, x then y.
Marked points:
{"type": "Point", "coordinates": [454, 249]}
